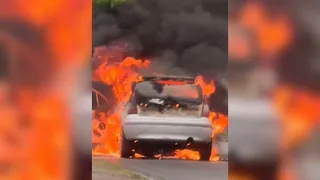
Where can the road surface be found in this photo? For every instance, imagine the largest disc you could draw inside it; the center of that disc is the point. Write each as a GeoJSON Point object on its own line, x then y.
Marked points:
{"type": "Point", "coordinates": [175, 169]}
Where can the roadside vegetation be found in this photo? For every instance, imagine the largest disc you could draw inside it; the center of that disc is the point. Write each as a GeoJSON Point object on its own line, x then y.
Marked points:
{"type": "Point", "coordinates": [108, 3]}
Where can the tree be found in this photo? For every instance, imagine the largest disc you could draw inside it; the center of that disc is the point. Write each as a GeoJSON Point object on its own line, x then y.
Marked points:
{"type": "Point", "coordinates": [110, 3]}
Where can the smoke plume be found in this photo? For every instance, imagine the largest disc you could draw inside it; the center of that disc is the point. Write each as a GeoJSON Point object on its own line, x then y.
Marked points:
{"type": "Point", "coordinates": [299, 65]}
{"type": "Point", "coordinates": [184, 36]}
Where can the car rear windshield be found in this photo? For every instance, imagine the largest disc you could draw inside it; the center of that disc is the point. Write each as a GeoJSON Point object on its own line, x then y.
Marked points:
{"type": "Point", "coordinates": [176, 91]}
{"type": "Point", "coordinates": [168, 99]}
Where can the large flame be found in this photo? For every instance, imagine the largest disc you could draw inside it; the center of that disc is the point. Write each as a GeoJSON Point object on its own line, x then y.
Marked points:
{"type": "Point", "coordinates": [37, 119]}
{"type": "Point", "coordinates": [120, 76]}
{"type": "Point", "coordinates": [272, 33]}
{"type": "Point", "coordinates": [298, 111]}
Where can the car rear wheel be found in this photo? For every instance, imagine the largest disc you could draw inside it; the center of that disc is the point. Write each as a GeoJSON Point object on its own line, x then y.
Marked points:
{"type": "Point", "coordinates": [205, 151]}
{"type": "Point", "coordinates": [126, 147]}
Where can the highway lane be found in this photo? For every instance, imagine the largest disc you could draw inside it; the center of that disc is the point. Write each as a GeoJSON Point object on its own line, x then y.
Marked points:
{"type": "Point", "coordinates": [175, 169]}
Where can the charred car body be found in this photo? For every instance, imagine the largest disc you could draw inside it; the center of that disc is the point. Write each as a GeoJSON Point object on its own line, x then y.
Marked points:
{"type": "Point", "coordinates": [103, 101]}
{"type": "Point", "coordinates": [102, 96]}
{"type": "Point", "coordinates": [166, 111]}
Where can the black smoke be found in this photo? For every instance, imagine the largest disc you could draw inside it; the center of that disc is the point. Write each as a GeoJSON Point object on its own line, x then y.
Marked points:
{"type": "Point", "coordinates": [218, 101]}
{"type": "Point", "coordinates": [21, 46]}
{"type": "Point", "coordinates": [191, 35]}
{"type": "Point", "coordinates": [299, 65]}
{"type": "Point", "coordinates": [4, 64]}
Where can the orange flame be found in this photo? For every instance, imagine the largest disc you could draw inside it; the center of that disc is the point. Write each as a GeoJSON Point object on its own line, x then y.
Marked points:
{"type": "Point", "coordinates": [46, 142]}
{"type": "Point", "coordinates": [207, 88]}
{"type": "Point", "coordinates": [110, 137]}
{"type": "Point", "coordinates": [187, 154]}
{"type": "Point", "coordinates": [272, 33]}
{"type": "Point", "coordinates": [219, 122]}
{"type": "Point", "coordinates": [120, 76]}
{"type": "Point", "coordinates": [298, 111]}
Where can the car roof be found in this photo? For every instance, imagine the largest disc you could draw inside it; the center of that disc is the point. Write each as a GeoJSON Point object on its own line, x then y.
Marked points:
{"type": "Point", "coordinates": [187, 79]}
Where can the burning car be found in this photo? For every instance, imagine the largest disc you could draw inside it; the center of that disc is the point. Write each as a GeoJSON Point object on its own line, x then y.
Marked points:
{"type": "Point", "coordinates": [166, 111]}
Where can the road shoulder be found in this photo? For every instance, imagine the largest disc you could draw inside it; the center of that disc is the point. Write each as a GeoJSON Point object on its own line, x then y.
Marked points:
{"type": "Point", "coordinates": [102, 169]}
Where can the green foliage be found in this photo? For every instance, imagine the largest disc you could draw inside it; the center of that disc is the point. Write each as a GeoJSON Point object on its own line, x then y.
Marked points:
{"type": "Point", "coordinates": [109, 3]}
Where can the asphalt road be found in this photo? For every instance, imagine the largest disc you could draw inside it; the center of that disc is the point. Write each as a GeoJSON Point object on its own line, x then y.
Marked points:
{"type": "Point", "coordinates": [175, 169]}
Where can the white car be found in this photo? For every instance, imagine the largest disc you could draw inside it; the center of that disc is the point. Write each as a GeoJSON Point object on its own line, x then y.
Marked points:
{"type": "Point", "coordinates": [166, 111]}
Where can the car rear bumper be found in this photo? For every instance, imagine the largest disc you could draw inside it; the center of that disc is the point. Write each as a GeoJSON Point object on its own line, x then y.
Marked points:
{"type": "Point", "coordinates": [167, 128]}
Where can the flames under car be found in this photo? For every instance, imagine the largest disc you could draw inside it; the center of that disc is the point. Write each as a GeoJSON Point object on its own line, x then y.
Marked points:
{"type": "Point", "coordinates": [164, 110]}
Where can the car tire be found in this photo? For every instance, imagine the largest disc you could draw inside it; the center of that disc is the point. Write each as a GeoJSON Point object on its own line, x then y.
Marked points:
{"type": "Point", "coordinates": [126, 147]}
{"type": "Point", "coordinates": [205, 151]}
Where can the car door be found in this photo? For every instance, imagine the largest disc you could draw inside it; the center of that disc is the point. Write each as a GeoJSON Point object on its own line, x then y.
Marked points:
{"type": "Point", "coordinates": [98, 99]}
